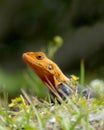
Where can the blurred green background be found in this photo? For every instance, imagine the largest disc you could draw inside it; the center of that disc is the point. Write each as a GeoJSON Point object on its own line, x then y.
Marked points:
{"type": "Point", "coordinates": [31, 25]}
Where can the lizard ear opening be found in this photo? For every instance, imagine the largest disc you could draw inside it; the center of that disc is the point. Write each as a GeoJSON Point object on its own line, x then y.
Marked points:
{"type": "Point", "coordinates": [50, 67]}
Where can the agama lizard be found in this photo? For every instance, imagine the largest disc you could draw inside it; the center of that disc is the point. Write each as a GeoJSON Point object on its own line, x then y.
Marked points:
{"type": "Point", "coordinates": [49, 73]}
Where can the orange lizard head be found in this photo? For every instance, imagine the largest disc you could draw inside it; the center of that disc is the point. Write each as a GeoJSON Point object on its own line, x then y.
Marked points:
{"type": "Point", "coordinates": [46, 69]}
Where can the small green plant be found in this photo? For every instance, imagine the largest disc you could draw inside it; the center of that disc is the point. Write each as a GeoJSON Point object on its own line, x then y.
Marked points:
{"type": "Point", "coordinates": [82, 73]}
{"type": "Point", "coordinates": [53, 46]}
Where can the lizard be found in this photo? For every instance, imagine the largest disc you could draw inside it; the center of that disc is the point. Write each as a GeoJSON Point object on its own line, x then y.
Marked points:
{"type": "Point", "coordinates": [49, 72]}
{"type": "Point", "coordinates": [51, 75]}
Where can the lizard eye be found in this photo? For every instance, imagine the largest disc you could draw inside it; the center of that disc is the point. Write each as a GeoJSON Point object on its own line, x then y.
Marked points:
{"type": "Point", "coordinates": [50, 67]}
{"type": "Point", "coordinates": [39, 57]}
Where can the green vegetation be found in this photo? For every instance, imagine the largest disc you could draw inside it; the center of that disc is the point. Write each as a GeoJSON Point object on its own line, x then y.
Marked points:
{"type": "Point", "coordinates": [29, 113]}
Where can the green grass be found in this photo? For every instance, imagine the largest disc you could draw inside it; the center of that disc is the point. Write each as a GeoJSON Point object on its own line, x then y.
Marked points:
{"type": "Point", "coordinates": [29, 113]}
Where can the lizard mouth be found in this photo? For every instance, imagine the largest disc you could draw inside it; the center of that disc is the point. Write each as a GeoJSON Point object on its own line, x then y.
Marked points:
{"type": "Point", "coordinates": [30, 61]}
{"type": "Point", "coordinates": [35, 65]}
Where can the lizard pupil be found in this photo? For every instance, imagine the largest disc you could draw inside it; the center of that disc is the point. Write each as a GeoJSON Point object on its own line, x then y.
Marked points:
{"type": "Point", "coordinates": [39, 57]}
{"type": "Point", "coordinates": [50, 67]}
